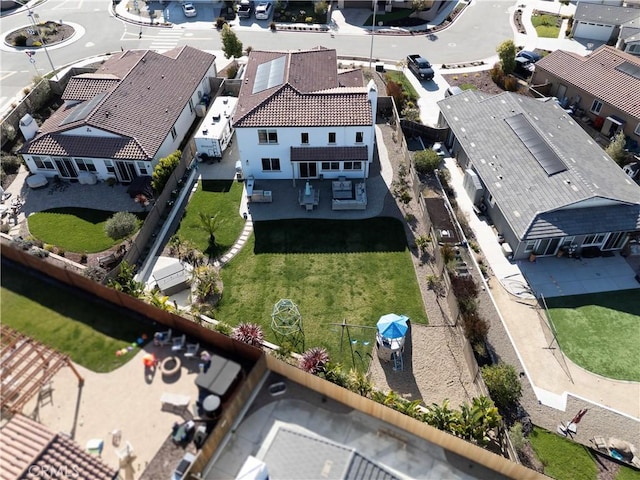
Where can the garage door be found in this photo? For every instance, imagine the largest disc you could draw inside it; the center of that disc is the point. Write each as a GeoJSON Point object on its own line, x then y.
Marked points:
{"type": "Point", "coordinates": [593, 31]}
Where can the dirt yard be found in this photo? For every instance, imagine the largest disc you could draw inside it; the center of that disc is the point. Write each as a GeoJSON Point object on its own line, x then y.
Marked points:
{"type": "Point", "coordinates": [481, 81]}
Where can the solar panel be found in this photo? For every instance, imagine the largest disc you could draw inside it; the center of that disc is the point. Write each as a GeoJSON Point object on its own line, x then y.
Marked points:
{"type": "Point", "coordinates": [537, 146]}
{"type": "Point", "coordinates": [630, 69]}
{"type": "Point", "coordinates": [269, 74]}
{"type": "Point", "coordinates": [83, 110]}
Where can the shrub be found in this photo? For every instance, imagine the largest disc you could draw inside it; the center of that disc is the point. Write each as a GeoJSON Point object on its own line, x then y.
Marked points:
{"type": "Point", "coordinates": [61, 252]}
{"type": "Point", "coordinates": [615, 149]}
{"type": "Point", "coordinates": [223, 328]}
{"type": "Point", "coordinates": [464, 287]}
{"type": "Point", "coordinates": [426, 161]}
{"type": "Point", "coordinates": [49, 248]}
{"type": "Point", "coordinates": [83, 258]}
{"type": "Point", "coordinates": [95, 273]}
{"type": "Point", "coordinates": [10, 164]}
{"type": "Point", "coordinates": [5, 228]}
{"type": "Point", "coordinates": [475, 327]}
{"type": "Point", "coordinates": [273, 26]}
{"type": "Point", "coordinates": [503, 384]}
{"type": "Point", "coordinates": [308, 20]}
{"type": "Point", "coordinates": [111, 181]}
{"type": "Point", "coordinates": [20, 40]}
{"type": "Point", "coordinates": [497, 75]}
{"type": "Point", "coordinates": [314, 360]}
{"type": "Point", "coordinates": [163, 170]}
{"type": "Point", "coordinates": [232, 71]}
{"type": "Point", "coordinates": [395, 90]}
{"type": "Point", "coordinates": [249, 333]}
{"type": "Point", "coordinates": [511, 84]}
{"type": "Point", "coordinates": [121, 225]}
{"type": "Point", "coordinates": [220, 22]}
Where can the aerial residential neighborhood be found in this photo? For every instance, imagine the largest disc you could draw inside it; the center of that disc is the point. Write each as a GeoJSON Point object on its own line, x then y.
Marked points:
{"type": "Point", "coordinates": [309, 240]}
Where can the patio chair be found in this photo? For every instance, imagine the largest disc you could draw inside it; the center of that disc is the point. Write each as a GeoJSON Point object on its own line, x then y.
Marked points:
{"type": "Point", "coordinates": [178, 343]}
{"type": "Point", "coordinates": [192, 350]}
{"type": "Point", "coordinates": [162, 338]}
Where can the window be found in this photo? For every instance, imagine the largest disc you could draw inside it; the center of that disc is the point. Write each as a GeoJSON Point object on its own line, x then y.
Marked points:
{"type": "Point", "coordinates": [596, 106]}
{"type": "Point", "coordinates": [491, 200]}
{"type": "Point", "coordinates": [596, 239]}
{"type": "Point", "coordinates": [637, 130]}
{"type": "Point", "coordinates": [43, 163]}
{"type": "Point", "coordinates": [330, 165]}
{"type": "Point", "coordinates": [174, 134]}
{"type": "Point", "coordinates": [530, 246]}
{"type": "Point", "coordinates": [270, 164]}
{"type": "Point", "coordinates": [353, 165]}
{"type": "Point", "coordinates": [267, 136]}
{"type": "Point", "coordinates": [635, 48]}
{"type": "Point", "coordinates": [109, 166]}
{"type": "Point", "coordinates": [359, 137]}
{"type": "Point", "coordinates": [191, 105]}
{"type": "Point", "coordinates": [304, 137]}
{"type": "Point", "coordinates": [142, 168]}
{"type": "Point", "coordinates": [332, 137]}
{"type": "Point", "coordinates": [85, 165]}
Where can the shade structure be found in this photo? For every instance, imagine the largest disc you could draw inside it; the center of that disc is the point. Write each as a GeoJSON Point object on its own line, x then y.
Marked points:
{"type": "Point", "coordinates": [149, 360]}
{"type": "Point", "coordinates": [392, 325]}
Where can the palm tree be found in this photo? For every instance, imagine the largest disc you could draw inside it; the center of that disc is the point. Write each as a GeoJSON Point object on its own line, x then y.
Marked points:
{"type": "Point", "coordinates": [210, 225]}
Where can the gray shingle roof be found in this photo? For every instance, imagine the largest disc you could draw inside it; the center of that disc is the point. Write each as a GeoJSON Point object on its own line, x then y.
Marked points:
{"type": "Point", "coordinates": [596, 73]}
{"type": "Point", "coordinates": [605, 14]}
{"type": "Point", "coordinates": [142, 108]}
{"type": "Point", "coordinates": [311, 94]}
{"type": "Point", "coordinates": [519, 185]}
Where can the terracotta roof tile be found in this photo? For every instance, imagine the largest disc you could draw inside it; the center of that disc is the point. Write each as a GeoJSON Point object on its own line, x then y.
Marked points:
{"type": "Point", "coordinates": [84, 87]}
{"type": "Point", "coordinates": [143, 107]}
{"type": "Point", "coordinates": [596, 73]}
{"type": "Point", "coordinates": [22, 440]}
{"type": "Point", "coordinates": [311, 94]}
{"type": "Point", "coordinates": [93, 147]}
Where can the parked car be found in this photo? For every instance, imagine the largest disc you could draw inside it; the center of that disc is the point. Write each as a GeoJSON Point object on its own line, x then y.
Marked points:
{"type": "Point", "coordinates": [245, 8]}
{"type": "Point", "coordinates": [524, 66]}
{"type": "Point", "coordinates": [183, 466]}
{"type": "Point", "coordinates": [189, 10]}
{"type": "Point", "coordinates": [533, 57]}
{"type": "Point", "coordinates": [420, 66]}
{"type": "Point", "coordinates": [263, 10]}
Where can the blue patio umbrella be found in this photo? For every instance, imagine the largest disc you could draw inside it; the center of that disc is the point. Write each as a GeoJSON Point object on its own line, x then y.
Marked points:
{"type": "Point", "coordinates": [392, 325]}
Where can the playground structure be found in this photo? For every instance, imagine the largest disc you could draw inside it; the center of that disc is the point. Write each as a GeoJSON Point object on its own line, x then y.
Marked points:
{"type": "Point", "coordinates": [286, 323]}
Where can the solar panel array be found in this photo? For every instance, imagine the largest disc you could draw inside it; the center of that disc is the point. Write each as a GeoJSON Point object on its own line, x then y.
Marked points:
{"type": "Point", "coordinates": [538, 146]}
{"type": "Point", "coordinates": [269, 74]}
{"type": "Point", "coordinates": [82, 111]}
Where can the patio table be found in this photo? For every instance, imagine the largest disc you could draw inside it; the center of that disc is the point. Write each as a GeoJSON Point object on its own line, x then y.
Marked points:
{"type": "Point", "coordinates": [219, 377]}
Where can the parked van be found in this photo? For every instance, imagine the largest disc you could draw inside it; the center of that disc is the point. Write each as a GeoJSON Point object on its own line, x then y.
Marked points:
{"type": "Point", "coordinates": [263, 11]}
{"type": "Point", "coordinates": [452, 91]}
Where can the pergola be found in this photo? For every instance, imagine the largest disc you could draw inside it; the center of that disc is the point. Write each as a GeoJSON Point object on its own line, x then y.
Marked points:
{"type": "Point", "coordinates": [25, 367]}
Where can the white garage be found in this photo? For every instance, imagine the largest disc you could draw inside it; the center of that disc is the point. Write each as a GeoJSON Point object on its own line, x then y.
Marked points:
{"type": "Point", "coordinates": [593, 31]}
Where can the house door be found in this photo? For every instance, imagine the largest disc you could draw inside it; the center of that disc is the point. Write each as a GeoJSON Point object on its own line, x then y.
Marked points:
{"type": "Point", "coordinates": [562, 91]}
{"type": "Point", "coordinates": [125, 171]}
{"type": "Point", "coordinates": [66, 168]}
{"type": "Point", "coordinates": [548, 246]}
{"type": "Point", "coordinates": [308, 170]}
{"type": "Point", "coordinates": [615, 241]}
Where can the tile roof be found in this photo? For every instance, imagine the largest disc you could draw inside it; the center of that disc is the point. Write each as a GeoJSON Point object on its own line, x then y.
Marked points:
{"type": "Point", "coordinates": [117, 148]}
{"type": "Point", "coordinates": [605, 14]}
{"type": "Point", "coordinates": [29, 450]}
{"type": "Point", "coordinates": [312, 93]}
{"type": "Point", "coordinates": [596, 73]}
{"type": "Point", "coordinates": [305, 154]}
{"type": "Point", "coordinates": [142, 108]}
{"type": "Point", "coordinates": [86, 86]}
{"type": "Point", "coordinates": [520, 186]}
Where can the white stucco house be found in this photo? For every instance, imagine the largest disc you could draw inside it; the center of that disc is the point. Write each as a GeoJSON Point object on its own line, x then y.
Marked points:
{"type": "Point", "coordinates": [299, 117]}
{"type": "Point", "coordinates": [120, 120]}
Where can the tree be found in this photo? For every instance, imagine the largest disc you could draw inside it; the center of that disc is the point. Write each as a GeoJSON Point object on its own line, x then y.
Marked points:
{"type": "Point", "coordinates": [320, 8]}
{"type": "Point", "coordinates": [121, 225]}
{"type": "Point", "coordinates": [395, 90]}
{"type": "Point", "coordinates": [616, 149]}
{"type": "Point", "coordinates": [231, 44]}
{"type": "Point", "coordinates": [503, 384]}
{"type": "Point", "coordinates": [419, 5]}
{"type": "Point", "coordinates": [426, 161]}
{"type": "Point", "coordinates": [210, 225]}
{"type": "Point", "coordinates": [125, 281]}
{"type": "Point", "coordinates": [163, 170]}
{"type": "Point", "coordinates": [507, 53]}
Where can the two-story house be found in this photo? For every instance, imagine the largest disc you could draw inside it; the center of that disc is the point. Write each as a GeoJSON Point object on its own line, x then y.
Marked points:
{"type": "Point", "coordinates": [605, 85]}
{"type": "Point", "coordinates": [299, 117]}
{"type": "Point", "coordinates": [545, 183]}
{"type": "Point", "coordinates": [120, 120]}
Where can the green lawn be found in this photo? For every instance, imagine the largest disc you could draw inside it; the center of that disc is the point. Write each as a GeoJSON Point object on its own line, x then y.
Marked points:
{"type": "Point", "coordinates": [401, 79]}
{"type": "Point", "coordinates": [545, 25]}
{"type": "Point", "coordinates": [333, 270]}
{"type": "Point", "coordinates": [388, 18]}
{"type": "Point", "coordinates": [564, 459]}
{"type": "Point", "coordinates": [78, 230]}
{"type": "Point", "coordinates": [89, 332]}
{"type": "Point", "coordinates": [214, 197]}
{"type": "Point", "coordinates": [600, 332]}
